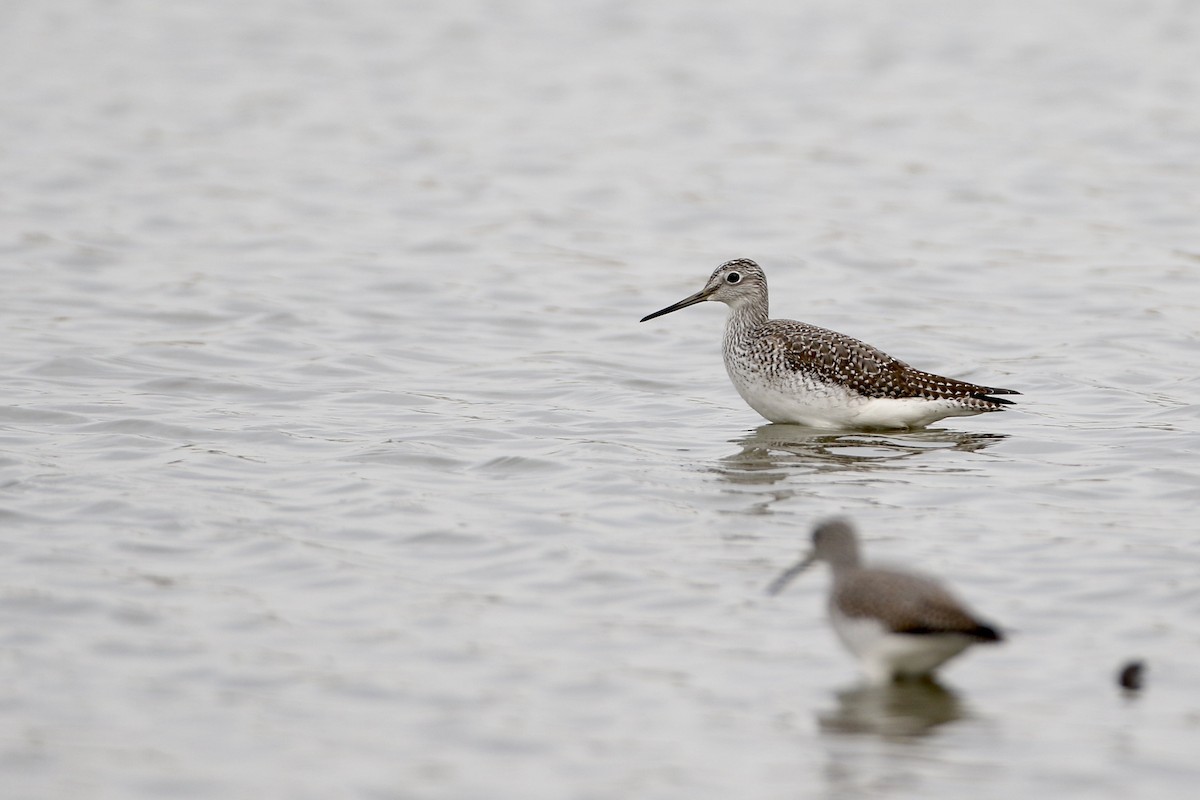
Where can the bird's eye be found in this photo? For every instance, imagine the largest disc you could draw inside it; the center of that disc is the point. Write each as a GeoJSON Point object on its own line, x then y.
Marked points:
{"type": "Point", "coordinates": [733, 277]}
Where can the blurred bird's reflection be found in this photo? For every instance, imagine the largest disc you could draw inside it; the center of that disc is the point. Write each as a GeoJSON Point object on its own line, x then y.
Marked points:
{"type": "Point", "coordinates": [901, 709]}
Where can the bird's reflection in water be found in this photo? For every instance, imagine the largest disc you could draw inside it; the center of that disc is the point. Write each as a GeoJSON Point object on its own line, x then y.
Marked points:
{"type": "Point", "coordinates": [773, 451]}
{"type": "Point", "coordinates": [904, 709]}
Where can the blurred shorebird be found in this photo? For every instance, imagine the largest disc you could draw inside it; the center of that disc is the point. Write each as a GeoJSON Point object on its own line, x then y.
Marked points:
{"type": "Point", "coordinates": [794, 372]}
{"type": "Point", "coordinates": [900, 624]}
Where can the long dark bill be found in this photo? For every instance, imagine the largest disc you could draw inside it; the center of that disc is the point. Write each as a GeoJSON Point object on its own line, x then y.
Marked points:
{"type": "Point", "coordinates": [791, 572]}
{"type": "Point", "coordinates": [698, 297]}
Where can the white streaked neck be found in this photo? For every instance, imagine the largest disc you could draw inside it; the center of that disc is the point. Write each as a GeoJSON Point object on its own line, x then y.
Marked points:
{"type": "Point", "coordinates": [745, 317]}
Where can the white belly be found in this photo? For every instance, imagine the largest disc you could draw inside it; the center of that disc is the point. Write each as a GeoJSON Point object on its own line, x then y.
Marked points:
{"type": "Point", "coordinates": [800, 401]}
{"type": "Point", "coordinates": [885, 655]}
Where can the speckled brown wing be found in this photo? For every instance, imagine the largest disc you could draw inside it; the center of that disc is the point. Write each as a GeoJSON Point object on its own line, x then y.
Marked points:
{"type": "Point", "coordinates": [907, 603]}
{"type": "Point", "coordinates": [836, 358]}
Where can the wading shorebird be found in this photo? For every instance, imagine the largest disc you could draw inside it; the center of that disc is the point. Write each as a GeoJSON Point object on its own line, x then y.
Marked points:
{"type": "Point", "coordinates": [900, 624]}
{"type": "Point", "coordinates": [794, 372]}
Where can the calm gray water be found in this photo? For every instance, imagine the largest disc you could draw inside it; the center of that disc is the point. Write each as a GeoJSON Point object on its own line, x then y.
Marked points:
{"type": "Point", "coordinates": [335, 462]}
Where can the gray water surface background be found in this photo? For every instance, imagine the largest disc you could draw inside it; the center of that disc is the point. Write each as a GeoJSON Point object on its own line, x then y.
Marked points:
{"type": "Point", "coordinates": [335, 462]}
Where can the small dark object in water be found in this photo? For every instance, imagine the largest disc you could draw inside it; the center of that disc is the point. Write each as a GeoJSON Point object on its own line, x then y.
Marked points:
{"type": "Point", "coordinates": [1131, 675]}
